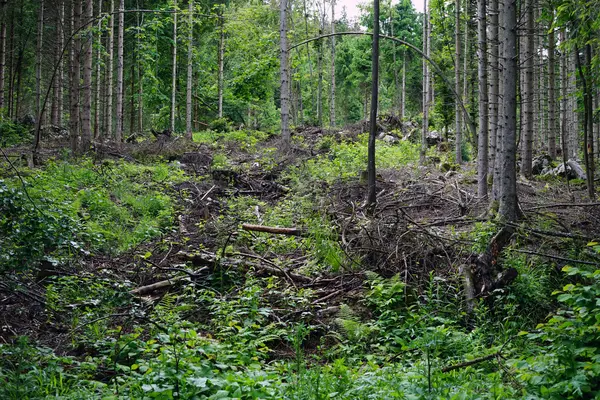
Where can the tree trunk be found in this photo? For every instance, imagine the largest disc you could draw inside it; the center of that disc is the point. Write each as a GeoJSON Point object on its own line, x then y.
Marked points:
{"type": "Point", "coordinates": [573, 114]}
{"type": "Point", "coordinates": [98, 74]}
{"type": "Point", "coordinates": [396, 102]}
{"type": "Point", "coordinates": [508, 188]}
{"type": "Point", "coordinates": [120, 34]}
{"type": "Point", "coordinates": [38, 67]}
{"type": "Point", "coordinates": [284, 74]}
{"type": "Point", "coordinates": [457, 87]}
{"type": "Point", "coordinates": [371, 173]}
{"type": "Point", "coordinates": [221, 59]}
{"type": "Point", "coordinates": [482, 151]}
{"type": "Point", "coordinates": [403, 93]}
{"type": "Point", "coordinates": [108, 129]}
{"type": "Point", "coordinates": [320, 71]}
{"type": "Point", "coordinates": [174, 70]}
{"type": "Point", "coordinates": [2, 57]}
{"type": "Point", "coordinates": [86, 116]}
{"type": "Point", "coordinates": [75, 76]}
{"type": "Point", "coordinates": [140, 75]}
{"type": "Point", "coordinates": [495, 99]}
{"type": "Point", "coordinates": [551, 94]}
{"type": "Point", "coordinates": [332, 100]}
{"type": "Point", "coordinates": [190, 72]}
{"type": "Point", "coordinates": [57, 82]}
{"type": "Point", "coordinates": [528, 99]}
{"type": "Point", "coordinates": [425, 86]}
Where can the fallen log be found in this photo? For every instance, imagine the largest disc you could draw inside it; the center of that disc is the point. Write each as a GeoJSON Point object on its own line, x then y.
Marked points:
{"type": "Point", "coordinates": [155, 286]}
{"type": "Point", "coordinates": [274, 230]}
{"type": "Point", "coordinates": [210, 259]}
{"type": "Point", "coordinates": [470, 362]}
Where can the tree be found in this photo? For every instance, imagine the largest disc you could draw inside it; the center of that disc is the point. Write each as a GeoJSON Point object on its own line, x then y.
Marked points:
{"type": "Point", "coordinates": [120, 34]}
{"type": "Point", "coordinates": [109, 73]}
{"type": "Point", "coordinates": [221, 59]}
{"type": "Point", "coordinates": [508, 185]}
{"type": "Point", "coordinates": [458, 111]}
{"type": "Point", "coordinates": [86, 116]}
{"type": "Point", "coordinates": [332, 100]}
{"type": "Point", "coordinates": [551, 92]}
{"type": "Point", "coordinates": [528, 95]}
{"type": "Point", "coordinates": [284, 74]}
{"type": "Point", "coordinates": [190, 63]}
{"type": "Point", "coordinates": [426, 35]}
{"type": "Point", "coordinates": [371, 173]}
{"type": "Point", "coordinates": [482, 149]}
{"type": "Point", "coordinates": [174, 70]}
{"type": "Point", "coordinates": [75, 76]}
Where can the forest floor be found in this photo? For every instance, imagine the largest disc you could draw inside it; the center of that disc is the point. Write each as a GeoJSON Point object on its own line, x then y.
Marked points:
{"type": "Point", "coordinates": [344, 291]}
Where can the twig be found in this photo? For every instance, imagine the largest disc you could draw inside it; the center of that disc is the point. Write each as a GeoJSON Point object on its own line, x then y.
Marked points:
{"type": "Point", "coordinates": [274, 230]}
{"type": "Point", "coordinates": [330, 295]}
{"type": "Point", "coordinates": [534, 253]}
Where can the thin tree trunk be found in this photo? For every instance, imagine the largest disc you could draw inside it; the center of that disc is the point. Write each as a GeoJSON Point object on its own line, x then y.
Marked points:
{"type": "Point", "coordinates": [528, 100]}
{"type": "Point", "coordinates": [98, 74]}
{"type": "Point", "coordinates": [140, 77]}
{"type": "Point", "coordinates": [371, 172]}
{"type": "Point", "coordinates": [284, 74]}
{"type": "Point", "coordinates": [221, 60]}
{"type": "Point", "coordinates": [75, 76]}
{"type": "Point", "coordinates": [403, 93]}
{"type": "Point", "coordinates": [396, 105]}
{"type": "Point", "coordinates": [174, 73]}
{"type": "Point", "coordinates": [86, 117]}
{"type": "Point", "coordinates": [120, 34]}
{"type": "Point", "coordinates": [508, 188]}
{"type": "Point", "coordinates": [551, 94]}
{"type": "Point", "coordinates": [425, 86]}
{"type": "Point", "coordinates": [496, 132]}
{"type": "Point", "coordinates": [109, 73]}
{"type": "Point", "coordinates": [482, 152]}
{"type": "Point", "coordinates": [332, 100]}
{"type": "Point", "coordinates": [2, 58]}
{"type": "Point", "coordinates": [11, 51]}
{"type": "Point", "coordinates": [38, 67]}
{"type": "Point", "coordinates": [190, 72]}
{"type": "Point", "coordinates": [573, 114]}
{"type": "Point", "coordinates": [57, 90]}
{"type": "Point", "coordinates": [457, 86]}
{"type": "Point", "coordinates": [320, 70]}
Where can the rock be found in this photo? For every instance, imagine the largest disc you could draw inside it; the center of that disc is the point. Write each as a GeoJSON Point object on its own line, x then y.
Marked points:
{"type": "Point", "coordinates": [433, 138]}
{"type": "Point", "coordinates": [540, 163]}
{"type": "Point", "coordinates": [391, 139]}
{"type": "Point", "coordinates": [576, 169]}
{"type": "Point", "coordinates": [573, 170]}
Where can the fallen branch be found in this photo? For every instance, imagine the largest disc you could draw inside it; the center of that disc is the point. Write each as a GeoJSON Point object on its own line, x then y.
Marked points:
{"type": "Point", "coordinates": [571, 260]}
{"type": "Point", "coordinates": [274, 230]}
{"type": "Point", "coordinates": [155, 286]}
{"type": "Point", "coordinates": [470, 362]}
{"type": "Point", "coordinates": [558, 205]}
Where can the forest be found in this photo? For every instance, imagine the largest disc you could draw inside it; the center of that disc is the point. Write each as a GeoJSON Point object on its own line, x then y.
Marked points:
{"type": "Point", "coordinates": [260, 199]}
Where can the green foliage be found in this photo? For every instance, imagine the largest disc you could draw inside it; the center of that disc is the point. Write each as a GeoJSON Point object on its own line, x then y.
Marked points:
{"type": "Point", "coordinates": [221, 125]}
{"type": "Point", "coordinates": [570, 367]}
{"type": "Point", "coordinates": [12, 133]}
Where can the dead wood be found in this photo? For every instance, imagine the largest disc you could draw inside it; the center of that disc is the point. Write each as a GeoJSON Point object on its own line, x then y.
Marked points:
{"type": "Point", "coordinates": [210, 259]}
{"type": "Point", "coordinates": [274, 230]}
{"type": "Point", "coordinates": [487, 267]}
{"type": "Point", "coordinates": [562, 205]}
{"type": "Point", "coordinates": [465, 271]}
{"type": "Point", "coordinates": [155, 286]}
{"type": "Point", "coordinates": [471, 362]}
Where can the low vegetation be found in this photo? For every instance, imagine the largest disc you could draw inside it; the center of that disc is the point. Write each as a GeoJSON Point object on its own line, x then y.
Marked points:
{"type": "Point", "coordinates": [138, 279]}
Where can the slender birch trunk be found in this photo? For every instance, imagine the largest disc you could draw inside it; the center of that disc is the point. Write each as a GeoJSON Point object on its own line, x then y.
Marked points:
{"type": "Point", "coordinates": [174, 73]}
{"type": "Point", "coordinates": [190, 72]}
{"type": "Point", "coordinates": [332, 100]}
{"type": "Point", "coordinates": [284, 74]}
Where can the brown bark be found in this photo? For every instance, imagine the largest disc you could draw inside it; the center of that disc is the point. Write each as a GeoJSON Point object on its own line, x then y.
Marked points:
{"type": "Point", "coordinates": [86, 116]}
{"type": "Point", "coordinates": [120, 34]}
